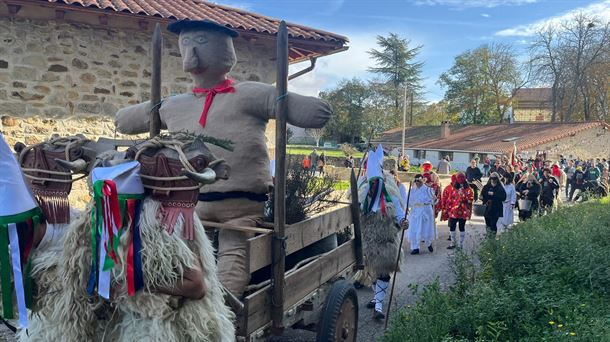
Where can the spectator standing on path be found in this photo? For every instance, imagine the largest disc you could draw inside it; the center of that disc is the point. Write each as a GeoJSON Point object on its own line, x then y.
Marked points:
{"type": "Point", "coordinates": [349, 162]}
{"type": "Point", "coordinates": [508, 215]}
{"type": "Point", "coordinates": [459, 208]}
{"type": "Point", "coordinates": [321, 163]}
{"type": "Point", "coordinates": [593, 173]}
{"type": "Point", "coordinates": [421, 215]}
{"type": "Point", "coordinates": [561, 176]}
{"type": "Point", "coordinates": [493, 196]}
{"type": "Point", "coordinates": [314, 160]}
{"type": "Point", "coordinates": [529, 190]}
{"type": "Point", "coordinates": [473, 173]}
{"type": "Point", "coordinates": [569, 171]}
{"type": "Point", "coordinates": [486, 166]}
{"type": "Point", "coordinates": [444, 166]}
{"type": "Point", "coordinates": [578, 183]}
{"type": "Point", "coordinates": [306, 163]}
{"type": "Point", "coordinates": [404, 164]}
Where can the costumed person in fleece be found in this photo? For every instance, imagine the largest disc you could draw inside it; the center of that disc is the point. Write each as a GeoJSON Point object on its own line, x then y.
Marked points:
{"type": "Point", "coordinates": [236, 112]}
{"type": "Point", "coordinates": [20, 229]}
{"type": "Point", "coordinates": [421, 215]}
{"type": "Point", "coordinates": [383, 208]}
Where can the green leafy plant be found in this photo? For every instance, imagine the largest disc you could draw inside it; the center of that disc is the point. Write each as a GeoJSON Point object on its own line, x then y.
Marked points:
{"type": "Point", "coordinates": [547, 279]}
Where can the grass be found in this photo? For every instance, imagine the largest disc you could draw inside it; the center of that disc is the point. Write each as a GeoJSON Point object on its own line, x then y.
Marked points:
{"type": "Point", "coordinates": [304, 150]}
{"type": "Point", "coordinates": [547, 279]}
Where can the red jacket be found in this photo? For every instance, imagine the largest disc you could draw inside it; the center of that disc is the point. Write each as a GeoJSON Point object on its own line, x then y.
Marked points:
{"type": "Point", "coordinates": [458, 203]}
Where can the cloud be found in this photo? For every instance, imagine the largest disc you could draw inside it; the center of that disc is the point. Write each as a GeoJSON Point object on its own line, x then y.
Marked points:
{"type": "Point", "coordinates": [331, 69]}
{"type": "Point", "coordinates": [243, 5]}
{"type": "Point", "coordinates": [474, 3]}
{"type": "Point", "coordinates": [485, 15]}
{"type": "Point", "coordinates": [601, 10]}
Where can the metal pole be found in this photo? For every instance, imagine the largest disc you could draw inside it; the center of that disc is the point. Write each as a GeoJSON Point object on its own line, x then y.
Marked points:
{"type": "Point", "coordinates": [404, 122]}
{"type": "Point", "coordinates": [402, 237]}
{"type": "Point", "coordinates": [155, 84]}
{"type": "Point", "coordinates": [279, 247]}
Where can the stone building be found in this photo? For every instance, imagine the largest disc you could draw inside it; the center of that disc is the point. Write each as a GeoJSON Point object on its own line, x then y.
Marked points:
{"type": "Point", "coordinates": [532, 105]}
{"type": "Point", "coordinates": [67, 66]}
{"type": "Point", "coordinates": [463, 142]}
{"type": "Point", "coordinates": [80, 61]}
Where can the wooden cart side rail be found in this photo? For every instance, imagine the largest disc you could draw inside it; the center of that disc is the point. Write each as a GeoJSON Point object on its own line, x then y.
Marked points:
{"type": "Point", "coordinates": [299, 285]}
{"type": "Point", "coordinates": [298, 236]}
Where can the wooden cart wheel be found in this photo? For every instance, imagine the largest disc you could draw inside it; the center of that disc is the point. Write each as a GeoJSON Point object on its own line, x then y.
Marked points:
{"type": "Point", "coordinates": [339, 319]}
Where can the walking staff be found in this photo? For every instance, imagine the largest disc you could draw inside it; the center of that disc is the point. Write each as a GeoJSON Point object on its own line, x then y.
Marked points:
{"type": "Point", "coordinates": [402, 236]}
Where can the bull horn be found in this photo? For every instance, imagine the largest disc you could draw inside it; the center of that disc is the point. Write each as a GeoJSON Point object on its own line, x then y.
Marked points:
{"type": "Point", "coordinates": [75, 166]}
{"type": "Point", "coordinates": [208, 176]}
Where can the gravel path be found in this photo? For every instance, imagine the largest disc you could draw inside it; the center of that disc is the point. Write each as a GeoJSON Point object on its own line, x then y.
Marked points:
{"type": "Point", "coordinates": [419, 270]}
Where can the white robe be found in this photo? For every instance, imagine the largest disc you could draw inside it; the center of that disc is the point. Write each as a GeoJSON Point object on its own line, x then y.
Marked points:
{"type": "Point", "coordinates": [508, 215]}
{"type": "Point", "coordinates": [421, 215]}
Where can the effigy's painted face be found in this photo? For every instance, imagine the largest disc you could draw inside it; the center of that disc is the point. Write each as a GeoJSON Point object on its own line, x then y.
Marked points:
{"type": "Point", "coordinates": [206, 51]}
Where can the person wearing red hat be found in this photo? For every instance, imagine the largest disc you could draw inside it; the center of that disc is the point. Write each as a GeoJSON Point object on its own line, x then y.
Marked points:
{"type": "Point", "coordinates": [458, 205]}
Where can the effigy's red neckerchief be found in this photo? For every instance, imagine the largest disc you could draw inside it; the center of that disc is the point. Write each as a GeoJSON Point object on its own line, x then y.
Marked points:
{"type": "Point", "coordinates": [225, 86]}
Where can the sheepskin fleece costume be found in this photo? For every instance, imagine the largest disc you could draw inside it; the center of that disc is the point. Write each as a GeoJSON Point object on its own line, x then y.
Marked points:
{"type": "Point", "coordinates": [66, 312]}
{"type": "Point", "coordinates": [150, 316]}
{"type": "Point", "coordinates": [380, 235]}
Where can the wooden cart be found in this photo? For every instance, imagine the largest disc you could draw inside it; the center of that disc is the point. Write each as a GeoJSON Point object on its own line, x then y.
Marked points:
{"type": "Point", "coordinates": [316, 292]}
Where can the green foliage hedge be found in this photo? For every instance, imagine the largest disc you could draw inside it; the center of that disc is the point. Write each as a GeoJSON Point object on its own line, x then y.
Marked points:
{"type": "Point", "coordinates": [547, 279]}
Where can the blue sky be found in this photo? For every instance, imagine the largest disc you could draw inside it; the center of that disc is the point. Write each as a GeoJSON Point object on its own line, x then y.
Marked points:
{"type": "Point", "coordinates": [445, 28]}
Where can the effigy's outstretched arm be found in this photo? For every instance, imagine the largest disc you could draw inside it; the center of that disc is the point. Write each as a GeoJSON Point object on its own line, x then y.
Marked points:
{"type": "Point", "coordinates": [302, 111]}
{"type": "Point", "coordinates": [307, 111]}
{"type": "Point", "coordinates": [134, 119]}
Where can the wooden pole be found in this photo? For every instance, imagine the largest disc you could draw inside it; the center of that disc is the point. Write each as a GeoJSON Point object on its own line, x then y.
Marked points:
{"type": "Point", "coordinates": [279, 244]}
{"type": "Point", "coordinates": [155, 84]}
{"type": "Point", "coordinates": [402, 237]}
{"type": "Point", "coordinates": [404, 123]}
{"type": "Point", "coordinates": [355, 206]}
{"type": "Point", "coordinates": [411, 111]}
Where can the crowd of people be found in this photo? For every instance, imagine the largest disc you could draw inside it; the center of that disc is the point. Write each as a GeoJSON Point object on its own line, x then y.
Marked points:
{"type": "Point", "coordinates": [532, 186]}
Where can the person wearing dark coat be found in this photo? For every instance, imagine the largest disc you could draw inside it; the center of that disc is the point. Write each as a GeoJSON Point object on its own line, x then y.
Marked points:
{"type": "Point", "coordinates": [529, 190]}
{"type": "Point", "coordinates": [493, 195]}
{"type": "Point", "coordinates": [549, 186]}
{"type": "Point", "coordinates": [473, 173]}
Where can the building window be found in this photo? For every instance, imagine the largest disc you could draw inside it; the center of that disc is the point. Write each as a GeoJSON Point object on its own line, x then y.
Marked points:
{"type": "Point", "coordinates": [420, 154]}
{"type": "Point", "coordinates": [443, 154]}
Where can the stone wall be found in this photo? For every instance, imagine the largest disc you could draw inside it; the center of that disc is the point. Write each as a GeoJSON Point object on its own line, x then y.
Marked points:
{"type": "Point", "coordinates": [71, 76]}
{"type": "Point", "coordinates": [62, 69]}
{"type": "Point", "coordinates": [591, 143]}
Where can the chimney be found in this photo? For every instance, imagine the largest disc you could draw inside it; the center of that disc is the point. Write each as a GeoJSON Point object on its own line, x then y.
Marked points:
{"type": "Point", "coordinates": [445, 130]}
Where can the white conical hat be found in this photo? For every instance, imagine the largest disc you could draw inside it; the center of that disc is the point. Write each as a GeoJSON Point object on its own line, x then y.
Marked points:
{"type": "Point", "coordinates": [126, 176]}
{"type": "Point", "coordinates": [374, 166]}
{"type": "Point", "coordinates": [15, 196]}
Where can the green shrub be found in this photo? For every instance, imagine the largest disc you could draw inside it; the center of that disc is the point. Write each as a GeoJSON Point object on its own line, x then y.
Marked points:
{"type": "Point", "coordinates": [547, 279]}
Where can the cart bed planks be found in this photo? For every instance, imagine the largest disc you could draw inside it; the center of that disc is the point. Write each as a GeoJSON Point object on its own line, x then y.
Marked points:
{"type": "Point", "coordinates": [299, 236]}
{"type": "Point", "coordinates": [299, 285]}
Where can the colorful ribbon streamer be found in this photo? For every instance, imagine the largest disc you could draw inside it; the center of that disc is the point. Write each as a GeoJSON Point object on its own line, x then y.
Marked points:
{"type": "Point", "coordinates": [113, 215]}
{"type": "Point", "coordinates": [16, 239]}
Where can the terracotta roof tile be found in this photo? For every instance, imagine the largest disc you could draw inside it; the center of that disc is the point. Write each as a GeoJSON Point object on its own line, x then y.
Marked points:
{"type": "Point", "coordinates": [197, 9]}
{"type": "Point", "coordinates": [485, 138]}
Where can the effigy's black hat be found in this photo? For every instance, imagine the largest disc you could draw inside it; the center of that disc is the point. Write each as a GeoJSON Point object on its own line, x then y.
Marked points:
{"type": "Point", "coordinates": [185, 24]}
